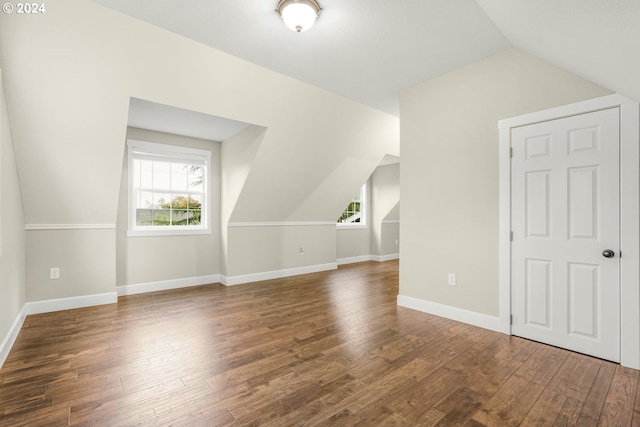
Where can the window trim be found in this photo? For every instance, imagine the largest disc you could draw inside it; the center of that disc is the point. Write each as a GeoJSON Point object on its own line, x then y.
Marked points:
{"type": "Point", "coordinates": [363, 212]}
{"type": "Point", "coordinates": [176, 152]}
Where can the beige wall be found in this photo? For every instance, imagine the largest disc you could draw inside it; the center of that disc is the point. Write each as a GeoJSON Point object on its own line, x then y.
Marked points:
{"type": "Point", "coordinates": [449, 173]}
{"type": "Point", "coordinates": [353, 242]}
{"type": "Point", "coordinates": [157, 258]}
{"type": "Point", "coordinates": [259, 249]}
{"type": "Point", "coordinates": [62, 249]}
{"type": "Point", "coordinates": [383, 203]}
{"type": "Point", "coordinates": [238, 155]}
{"type": "Point", "coordinates": [390, 238]}
{"type": "Point", "coordinates": [12, 236]}
{"type": "Point", "coordinates": [385, 199]}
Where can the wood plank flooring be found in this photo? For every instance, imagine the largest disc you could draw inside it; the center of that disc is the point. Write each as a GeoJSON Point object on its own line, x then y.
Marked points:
{"type": "Point", "coordinates": [324, 349]}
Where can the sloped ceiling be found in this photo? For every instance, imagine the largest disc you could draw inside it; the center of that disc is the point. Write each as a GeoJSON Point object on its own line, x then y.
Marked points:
{"type": "Point", "coordinates": [95, 60]}
{"type": "Point", "coordinates": [368, 50]}
{"type": "Point", "coordinates": [365, 50]}
{"type": "Point", "coordinates": [595, 39]}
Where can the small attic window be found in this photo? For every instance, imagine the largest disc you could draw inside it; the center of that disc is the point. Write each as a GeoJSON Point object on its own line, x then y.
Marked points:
{"type": "Point", "coordinates": [354, 215]}
{"type": "Point", "coordinates": [168, 189]}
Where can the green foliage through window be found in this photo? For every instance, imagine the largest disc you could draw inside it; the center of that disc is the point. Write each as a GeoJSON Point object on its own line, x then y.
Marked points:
{"type": "Point", "coordinates": [354, 211]}
{"type": "Point", "coordinates": [179, 211]}
{"type": "Point", "coordinates": [168, 187]}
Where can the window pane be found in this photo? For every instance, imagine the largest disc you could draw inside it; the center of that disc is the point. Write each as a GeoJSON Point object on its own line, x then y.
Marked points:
{"type": "Point", "coordinates": [358, 196]}
{"type": "Point", "coordinates": [353, 212]}
{"type": "Point", "coordinates": [180, 217]}
{"type": "Point", "coordinates": [161, 176]}
{"type": "Point", "coordinates": [195, 217]}
{"type": "Point", "coordinates": [167, 191]}
{"type": "Point", "coordinates": [179, 201]}
{"type": "Point", "coordinates": [143, 216]}
{"type": "Point", "coordinates": [196, 174]}
{"type": "Point", "coordinates": [161, 200]}
{"type": "Point", "coordinates": [195, 202]}
{"type": "Point", "coordinates": [179, 177]}
{"type": "Point", "coordinates": [145, 199]}
{"type": "Point", "coordinates": [161, 217]}
{"type": "Point", "coordinates": [146, 174]}
{"type": "Point", "coordinates": [195, 209]}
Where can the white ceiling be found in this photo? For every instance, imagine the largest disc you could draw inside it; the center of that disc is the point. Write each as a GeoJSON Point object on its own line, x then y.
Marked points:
{"type": "Point", "coordinates": [366, 50]}
{"type": "Point", "coordinates": [369, 50]}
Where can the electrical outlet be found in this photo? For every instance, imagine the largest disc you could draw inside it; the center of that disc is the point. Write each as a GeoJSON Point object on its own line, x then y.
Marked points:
{"type": "Point", "coordinates": [452, 279]}
{"type": "Point", "coordinates": [54, 273]}
{"type": "Point", "coordinates": [396, 241]}
{"type": "Point", "coordinates": [301, 250]}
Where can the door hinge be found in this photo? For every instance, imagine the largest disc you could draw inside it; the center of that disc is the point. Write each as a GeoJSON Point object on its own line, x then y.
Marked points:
{"type": "Point", "coordinates": [510, 151]}
{"type": "Point", "coordinates": [511, 236]}
{"type": "Point", "coordinates": [511, 319]}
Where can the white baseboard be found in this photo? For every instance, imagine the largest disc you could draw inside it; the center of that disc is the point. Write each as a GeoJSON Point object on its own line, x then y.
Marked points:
{"type": "Point", "coordinates": [353, 259]}
{"type": "Point", "coordinates": [47, 306]}
{"type": "Point", "coordinates": [383, 258]}
{"type": "Point", "coordinates": [49, 227]}
{"type": "Point", "coordinates": [37, 307]}
{"type": "Point", "coordinates": [277, 274]}
{"type": "Point", "coordinates": [363, 258]}
{"type": "Point", "coordinates": [10, 338]}
{"type": "Point", "coordinates": [163, 285]}
{"type": "Point", "coordinates": [454, 313]}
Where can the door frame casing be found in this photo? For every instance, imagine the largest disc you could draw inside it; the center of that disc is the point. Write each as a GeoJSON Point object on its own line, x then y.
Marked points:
{"type": "Point", "coordinates": [629, 213]}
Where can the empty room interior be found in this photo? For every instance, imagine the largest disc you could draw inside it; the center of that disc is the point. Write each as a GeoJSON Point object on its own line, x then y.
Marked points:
{"type": "Point", "coordinates": [200, 217]}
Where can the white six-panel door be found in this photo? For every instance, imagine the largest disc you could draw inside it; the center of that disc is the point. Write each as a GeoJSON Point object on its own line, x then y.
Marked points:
{"type": "Point", "coordinates": [565, 213]}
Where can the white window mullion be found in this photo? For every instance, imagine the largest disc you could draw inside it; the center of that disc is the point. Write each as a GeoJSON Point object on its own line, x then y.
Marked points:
{"type": "Point", "coordinates": [351, 211]}
{"type": "Point", "coordinates": [155, 155]}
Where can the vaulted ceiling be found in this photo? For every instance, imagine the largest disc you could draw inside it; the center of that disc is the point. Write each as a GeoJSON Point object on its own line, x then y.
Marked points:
{"type": "Point", "coordinates": [369, 50]}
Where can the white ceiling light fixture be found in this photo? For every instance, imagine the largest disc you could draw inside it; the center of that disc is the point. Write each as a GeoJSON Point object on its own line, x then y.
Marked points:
{"type": "Point", "coordinates": [299, 15]}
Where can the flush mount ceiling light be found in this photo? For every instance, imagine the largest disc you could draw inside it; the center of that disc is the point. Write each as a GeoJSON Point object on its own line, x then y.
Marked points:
{"type": "Point", "coordinates": [299, 15]}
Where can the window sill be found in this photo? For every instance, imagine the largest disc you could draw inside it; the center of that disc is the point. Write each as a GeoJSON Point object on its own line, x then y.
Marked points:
{"type": "Point", "coordinates": [174, 232]}
{"type": "Point", "coordinates": [341, 226]}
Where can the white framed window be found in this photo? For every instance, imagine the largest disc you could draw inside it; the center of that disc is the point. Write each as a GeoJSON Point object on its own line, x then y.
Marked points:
{"type": "Point", "coordinates": [168, 189]}
{"type": "Point", "coordinates": [355, 214]}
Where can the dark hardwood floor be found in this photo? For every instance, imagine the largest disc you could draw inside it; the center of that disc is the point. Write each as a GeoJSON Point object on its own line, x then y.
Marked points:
{"type": "Point", "coordinates": [324, 349]}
